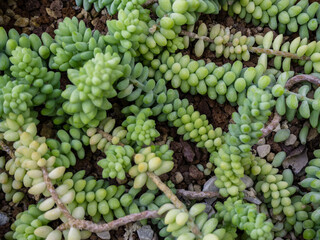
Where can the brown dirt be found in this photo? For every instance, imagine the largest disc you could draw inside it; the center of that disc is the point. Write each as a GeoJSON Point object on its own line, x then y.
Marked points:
{"type": "Point", "coordinates": [44, 16]}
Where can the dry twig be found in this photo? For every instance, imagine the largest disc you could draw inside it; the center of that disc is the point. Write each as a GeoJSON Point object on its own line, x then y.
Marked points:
{"type": "Point", "coordinates": [302, 78]}
{"type": "Point", "coordinates": [164, 188]}
{"type": "Point", "coordinates": [108, 136]}
{"type": "Point", "coordinates": [257, 50]}
{"type": "Point", "coordinates": [96, 228]}
{"type": "Point", "coordinates": [55, 196]}
{"type": "Point", "coordinates": [248, 195]}
{"type": "Point", "coordinates": [272, 125]}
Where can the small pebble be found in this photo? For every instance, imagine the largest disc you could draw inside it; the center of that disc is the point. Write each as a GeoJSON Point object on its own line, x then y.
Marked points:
{"type": "Point", "coordinates": [261, 141]}
{"type": "Point", "coordinates": [178, 177]}
{"type": "Point", "coordinates": [209, 185]}
{"type": "Point", "coordinates": [263, 150]}
{"type": "Point", "coordinates": [22, 22]}
{"type": "Point", "coordinates": [197, 188]}
{"type": "Point", "coordinates": [104, 235]}
{"type": "Point", "coordinates": [3, 219]}
{"type": "Point", "coordinates": [270, 157]}
{"type": "Point", "coordinates": [291, 140]}
{"type": "Point", "coordinates": [209, 210]}
{"type": "Point", "coordinates": [10, 13]}
{"type": "Point", "coordinates": [94, 13]}
{"type": "Point", "coordinates": [200, 167]}
{"type": "Point", "coordinates": [190, 187]}
{"type": "Point", "coordinates": [277, 128]}
{"type": "Point", "coordinates": [145, 233]}
{"type": "Point", "coordinates": [259, 29]}
{"type": "Point", "coordinates": [247, 181]}
{"type": "Point", "coordinates": [285, 125]}
{"type": "Point", "coordinates": [95, 21]}
{"type": "Point", "coordinates": [34, 21]}
{"type": "Point", "coordinates": [195, 173]}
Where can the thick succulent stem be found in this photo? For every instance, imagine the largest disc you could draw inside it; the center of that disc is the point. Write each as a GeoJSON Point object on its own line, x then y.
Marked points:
{"type": "Point", "coordinates": [196, 36]}
{"type": "Point", "coordinates": [96, 228]}
{"type": "Point", "coordinates": [197, 195]}
{"type": "Point", "coordinates": [108, 136]}
{"type": "Point", "coordinates": [299, 96]}
{"type": "Point", "coordinates": [277, 53]}
{"type": "Point", "coordinates": [257, 50]}
{"type": "Point", "coordinates": [302, 78]}
{"type": "Point", "coordinates": [272, 125]}
{"type": "Point", "coordinates": [55, 196]}
{"type": "Point", "coordinates": [201, 195]}
{"type": "Point", "coordinates": [166, 190]}
{"type": "Point", "coordinates": [174, 199]}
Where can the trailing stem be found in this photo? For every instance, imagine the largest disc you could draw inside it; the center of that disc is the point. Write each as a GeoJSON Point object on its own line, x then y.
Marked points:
{"type": "Point", "coordinates": [108, 136]}
{"type": "Point", "coordinates": [302, 78]}
{"type": "Point", "coordinates": [192, 195]}
{"type": "Point", "coordinates": [55, 196]}
{"type": "Point", "coordinates": [164, 188]}
{"type": "Point", "coordinates": [250, 49]}
{"type": "Point", "coordinates": [272, 125]}
{"type": "Point", "coordinates": [97, 228]}
{"type": "Point", "coordinates": [84, 224]}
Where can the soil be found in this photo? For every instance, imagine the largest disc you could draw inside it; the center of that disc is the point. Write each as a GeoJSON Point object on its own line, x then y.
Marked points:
{"type": "Point", "coordinates": [38, 16]}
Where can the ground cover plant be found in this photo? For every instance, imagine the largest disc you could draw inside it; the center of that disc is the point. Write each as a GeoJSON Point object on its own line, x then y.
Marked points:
{"type": "Point", "coordinates": [141, 61]}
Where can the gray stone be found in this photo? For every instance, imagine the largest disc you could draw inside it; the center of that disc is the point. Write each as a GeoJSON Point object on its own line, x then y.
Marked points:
{"type": "Point", "coordinates": [247, 181]}
{"type": "Point", "coordinates": [209, 185]}
{"type": "Point", "coordinates": [145, 233]}
{"type": "Point", "coordinates": [178, 177]}
{"type": "Point", "coordinates": [261, 141]}
{"type": "Point", "coordinates": [197, 188]}
{"type": "Point", "coordinates": [3, 219]}
{"type": "Point", "coordinates": [278, 127]}
{"type": "Point", "coordinates": [209, 210]}
{"type": "Point", "coordinates": [21, 22]}
{"type": "Point", "coordinates": [263, 150]}
{"type": "Point", "coordinates": [104, 235]}
{"type": "Point", "coordinates": [270, 157]}
{"type": "Point", "coordinates": [291, 140]}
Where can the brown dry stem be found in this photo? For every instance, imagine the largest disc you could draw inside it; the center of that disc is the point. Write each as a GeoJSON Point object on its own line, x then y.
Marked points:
{"type": "Point", "coordinates": [96, 228]}
{"type": "Point", "coordinates": [174, 199]}
{"type": "Point", "coordinates": [108, 136]}
{"type": "Point", "coordinates": [88, 225]}
{"type": "Point", "coordinates": [277, 53]}
{"type": "Point", "coordinates": [54, 195]}
{"type": "Point", "coordinates": [197, 195]}
{"type": "Point", "coordinates": [196, 36]}
{"type": "Point", "coordinates": [302, 78]}
{"type": "Point", "coordinates": [164, 188]}
{"type": "Point", "coordinates": [257, 50]}
{"type": "Point", "coordinates": [248, 195]}
{"type": "Point", "coordinates": [272, 125]}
